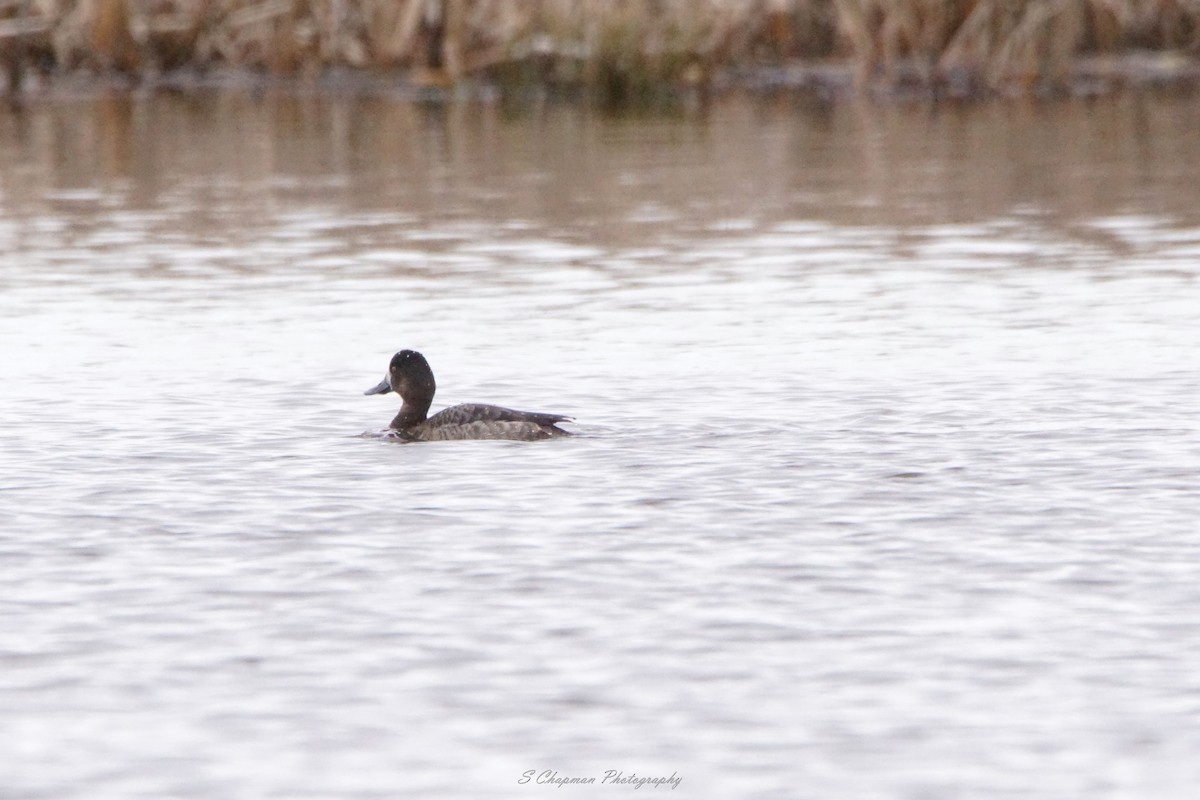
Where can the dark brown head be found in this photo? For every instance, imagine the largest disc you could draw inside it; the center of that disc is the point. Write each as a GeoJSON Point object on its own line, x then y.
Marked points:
{"type": "Point", "coordinates": [410, 377]}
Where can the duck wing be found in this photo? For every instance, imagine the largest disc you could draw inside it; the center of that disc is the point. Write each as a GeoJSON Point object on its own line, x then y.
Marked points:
{"type": "Point", "coordinates": [479, 412]}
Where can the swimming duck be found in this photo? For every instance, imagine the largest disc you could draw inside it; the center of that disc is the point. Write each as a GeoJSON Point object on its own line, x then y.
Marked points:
{"type": "Point", "coordinates": [410, 377]}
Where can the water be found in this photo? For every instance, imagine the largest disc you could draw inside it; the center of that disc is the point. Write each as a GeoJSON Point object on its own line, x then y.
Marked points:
{"type": "Point", "coordinates": [886, 481]}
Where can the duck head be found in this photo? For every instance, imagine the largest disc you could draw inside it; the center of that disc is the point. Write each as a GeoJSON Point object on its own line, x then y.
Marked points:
{"type": "Point", "coordinates": [410, 377]}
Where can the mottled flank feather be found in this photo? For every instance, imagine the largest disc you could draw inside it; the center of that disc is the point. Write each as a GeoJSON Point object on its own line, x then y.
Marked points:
{"type": "Point", "coordinates": [512, 431]}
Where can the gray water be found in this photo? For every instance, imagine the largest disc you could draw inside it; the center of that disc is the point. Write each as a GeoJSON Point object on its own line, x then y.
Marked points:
{"type": "Point", "coordinates": [886, 481]}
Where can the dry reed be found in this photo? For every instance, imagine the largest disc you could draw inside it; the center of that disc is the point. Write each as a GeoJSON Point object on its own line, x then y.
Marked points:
{"type": "Point", "coordinates": [623, 50]}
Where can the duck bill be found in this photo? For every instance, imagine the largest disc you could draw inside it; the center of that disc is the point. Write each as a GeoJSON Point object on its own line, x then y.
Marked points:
{"type": "Point", "coordinates": [383, 387]}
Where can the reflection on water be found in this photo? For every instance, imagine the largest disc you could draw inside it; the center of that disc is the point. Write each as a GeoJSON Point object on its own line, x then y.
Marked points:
{"type": "Point", "coordinates": [888, 485]}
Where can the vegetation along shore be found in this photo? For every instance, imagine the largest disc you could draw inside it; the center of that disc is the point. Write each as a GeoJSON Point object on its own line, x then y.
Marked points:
{"type": "Point", "coordinates": [615, 51]}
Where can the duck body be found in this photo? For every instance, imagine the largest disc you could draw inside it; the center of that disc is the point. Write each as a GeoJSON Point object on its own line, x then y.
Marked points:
{"type": "Point", "coordinates": [479, 421]}
{"type": "Point", "coordinates": [410, 376]}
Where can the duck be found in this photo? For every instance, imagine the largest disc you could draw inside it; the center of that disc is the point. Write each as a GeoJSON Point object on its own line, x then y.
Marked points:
{"type": "Point", "coordinates": [410, 376]}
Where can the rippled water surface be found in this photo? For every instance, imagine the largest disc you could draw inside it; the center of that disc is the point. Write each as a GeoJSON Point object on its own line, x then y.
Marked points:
{"type": "Point", "coordinates": [886, 483]}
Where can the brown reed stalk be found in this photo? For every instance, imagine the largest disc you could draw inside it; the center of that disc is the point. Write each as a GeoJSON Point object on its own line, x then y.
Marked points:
{"type": "Point", "coordinates": [110, 38]}
{"type": "Point", "coordinates": [623, 49]}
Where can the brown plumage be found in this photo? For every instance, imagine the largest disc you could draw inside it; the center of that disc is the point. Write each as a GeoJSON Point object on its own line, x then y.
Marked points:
{"type": "Point", "coordinates": [410, 376]}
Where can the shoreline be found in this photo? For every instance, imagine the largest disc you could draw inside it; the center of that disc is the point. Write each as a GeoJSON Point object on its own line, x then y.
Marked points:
{"type": "Point", "coordinates": [1087, 77]}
